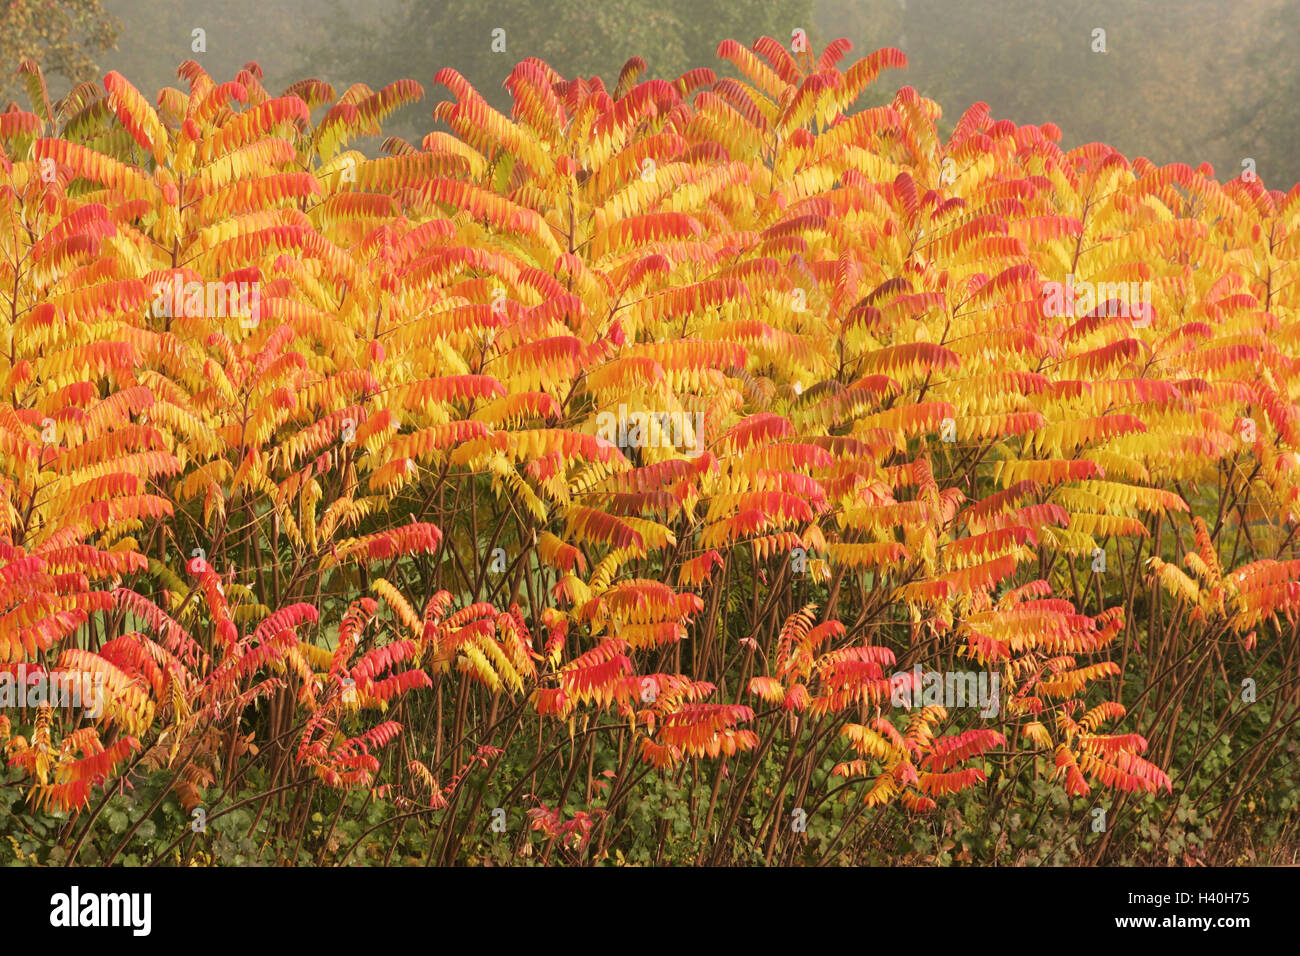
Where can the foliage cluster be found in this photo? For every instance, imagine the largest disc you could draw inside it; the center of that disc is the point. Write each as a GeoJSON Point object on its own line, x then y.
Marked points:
{"type": "Point", "coordinates": [363, 576]}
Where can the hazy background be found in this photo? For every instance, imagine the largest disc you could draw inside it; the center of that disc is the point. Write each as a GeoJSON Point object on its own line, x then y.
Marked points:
{"type": "Point", "coordinates": [1182, 80]}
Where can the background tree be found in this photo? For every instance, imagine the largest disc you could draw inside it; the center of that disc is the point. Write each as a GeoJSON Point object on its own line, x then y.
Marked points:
{"type": "Point", "coordinates": [672, 36]}
{"type": "Point", "coordinates": [62, 35]}
{"type": "Point", "coordinates": [1268, 116]}
{"type": "Point", "coordinates": [1192, 81]}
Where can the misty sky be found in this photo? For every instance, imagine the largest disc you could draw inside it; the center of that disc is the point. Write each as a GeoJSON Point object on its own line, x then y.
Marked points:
{"type": "Point", "coordinates": [1181, 80]}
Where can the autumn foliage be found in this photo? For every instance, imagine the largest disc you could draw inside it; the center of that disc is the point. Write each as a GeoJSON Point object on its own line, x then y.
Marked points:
{"type": "Point", "coordinates": [365, 539]}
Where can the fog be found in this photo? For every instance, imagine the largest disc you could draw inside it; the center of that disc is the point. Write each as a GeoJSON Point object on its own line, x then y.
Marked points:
{"type": "Point", "coordinates": [1173, 80]}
